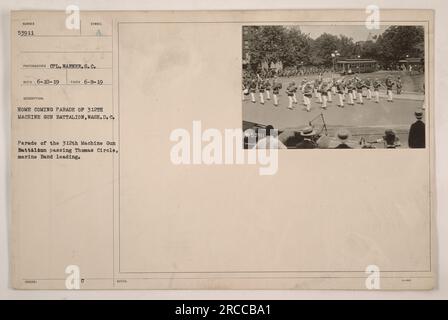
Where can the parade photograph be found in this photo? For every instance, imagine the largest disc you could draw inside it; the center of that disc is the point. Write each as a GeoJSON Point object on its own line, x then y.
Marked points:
{"type": "Point", "coordinates": [333, 87]}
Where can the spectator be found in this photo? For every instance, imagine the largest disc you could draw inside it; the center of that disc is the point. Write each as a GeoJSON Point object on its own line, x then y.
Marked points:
{"type": "Point", "coordinates": [417, 132]}
{"type": "Point", "coordinates": [270, 141]}
{"type": "Point", "coordinates": [343, 136]}
{"type": "Point", "coordinates": [308, 134]}
{"type": "Point", "coordinates": [390, 139]}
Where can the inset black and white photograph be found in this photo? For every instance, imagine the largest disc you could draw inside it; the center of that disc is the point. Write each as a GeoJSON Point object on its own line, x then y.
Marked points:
{"type": "Point", "coordinates": [333, 87]}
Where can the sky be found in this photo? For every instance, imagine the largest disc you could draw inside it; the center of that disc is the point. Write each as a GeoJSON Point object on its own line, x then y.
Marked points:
{"type": "Point", "coordinates": [357, 32]}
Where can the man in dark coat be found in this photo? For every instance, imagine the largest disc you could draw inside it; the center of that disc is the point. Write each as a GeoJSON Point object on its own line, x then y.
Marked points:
{"type": "Point", "coordinates": [417, 132]}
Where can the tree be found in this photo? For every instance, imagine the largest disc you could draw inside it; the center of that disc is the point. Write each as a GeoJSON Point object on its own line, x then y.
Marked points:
{"type": "Point", "coordinates": [323, 47]}
{"type": "Point", "coordinates": [267, 44]}
{"type": "Point", "coordinates": [297, 48]}
{"type": "Point", "coordinates": [369, 49]}
{"type": "Point", "coordinates": [346, 46]}
{"type": "Point", "coordinates": [397, 42]}
{"type": "Point", "coordinates": [271, 44]}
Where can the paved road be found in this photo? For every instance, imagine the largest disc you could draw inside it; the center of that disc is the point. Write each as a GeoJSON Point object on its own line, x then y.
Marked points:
{"type": "Point", "coordinates": [368, 120]}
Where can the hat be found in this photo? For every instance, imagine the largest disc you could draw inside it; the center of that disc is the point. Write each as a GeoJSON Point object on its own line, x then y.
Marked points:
{"type": "Point", "coordinates": [308, 132]}
{"type": "Point", "coordinates": [343, 134]}
{"type": "Point", "coordinates": [418, 114]}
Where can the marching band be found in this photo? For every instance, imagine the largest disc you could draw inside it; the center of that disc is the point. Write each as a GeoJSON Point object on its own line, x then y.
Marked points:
{"type": "Point", "coordinates": [347, 90]}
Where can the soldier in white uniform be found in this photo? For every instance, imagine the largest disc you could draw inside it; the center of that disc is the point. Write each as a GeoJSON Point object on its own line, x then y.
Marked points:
{"type": "Point", "coordinates": [325, 88]}
{"type": "Point", "coordinates": [329, 91]}
{"type": "Point", "coordinates": [302, 89]}
{"type": "Point", "coordinates": [376, 89]}
{"type": "Point", "coordinates": [261, 89]}
{"type": "Point", "coordinates": [389, 87]}
{"type": "Point", "coordinates": [354, 93]}
{"type": "Point", "coordinates": [253, 90]}
{"type": "Point", "coordinates": [340, 90]}
{"type": "Point", "coordinates": [359, 87]}
{"type": "Point", "coordinates": [290, 93]}
{"type": "Point", "coordinates": [307, 95]}
{"type": "Point", "coordinates": [267, 85]}
{"type": "Point", "coordinates": [317, 87]}
{"type": "Point", "coordinates": [276, 86]}
{"type": "Point", "coordinates": [350, 87]}
{"type": "Point", "coordinates": [294, 91]}
{"type": "Point", "coordinates": [368, 83]}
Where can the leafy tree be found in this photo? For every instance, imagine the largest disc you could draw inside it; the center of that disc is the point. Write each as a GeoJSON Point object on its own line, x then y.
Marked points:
{"type": "Point", "coordinates": [369, 49]}
{"type": "Point", "coordinates": [397, 42]}
{"type": "Point", "coordinates": [271, 44]}
{"type": "Point", "coordinates": [346, 46]}
{"type": "Point", "coordinates": [297, 50]}
{"type": "Point", "coordinates": [323, 47]}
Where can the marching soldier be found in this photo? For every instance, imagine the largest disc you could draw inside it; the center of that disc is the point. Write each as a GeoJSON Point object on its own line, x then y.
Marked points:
{"type": "Point", "coordinates": [307, 95]}
{"type": "Point", "coordinates": [245, 90]}
{"type": "Point", "coordinates": [315, 89]}
{"type": "Point", "coordinates": [399, 85]}
{"type": "Point", "coordinates": [340, 90]}
{"type": "Point", "coordinates": [267, 85]}
{"type": "Point", "coordinates": [376, 89]}
{"type": "Point", "coordinates": [389, 85]}
{"type": "Point", "coordinates": [334, 88]}
{"type": "Point", "coordinates": [303, 82]}
{"type": "Point", "coordinates": [261, 89]}
{"type": "Point", "coordinates": [276, 86]}
{"type": "Point", "coordinates": [317, 85]}
{"type": "Point", "coordinates": [294, 92]}
{"type": "Point", "coordinates": [324, 92]}
{"type": "Point", "coordinates": [350, 88]}
{"type": "Point", "coordinates": [290, 93]}
{"type": "Point", "coordinates": [359, 86]}
{"type": "Point", "coordinates": [344, 84]}
{"type": "Point", "coordinates": [354, 92]}
{"type": "Point", "coordinates": [302, 89]}
{"type": "Point", "coordinates": [368, 83]}
{"type": "Point", "coordinates": [253, 90]}
{"type": "Point", "coordinates": [329, 90]}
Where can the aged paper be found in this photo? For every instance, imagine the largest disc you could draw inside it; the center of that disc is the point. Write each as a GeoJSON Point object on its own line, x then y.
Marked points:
{"type": "Point", "coordinates": [140, 151]}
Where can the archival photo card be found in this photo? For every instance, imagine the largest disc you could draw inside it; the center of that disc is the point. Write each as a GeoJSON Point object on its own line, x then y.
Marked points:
{"type": "Point", "coordinates": [149, 150]}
